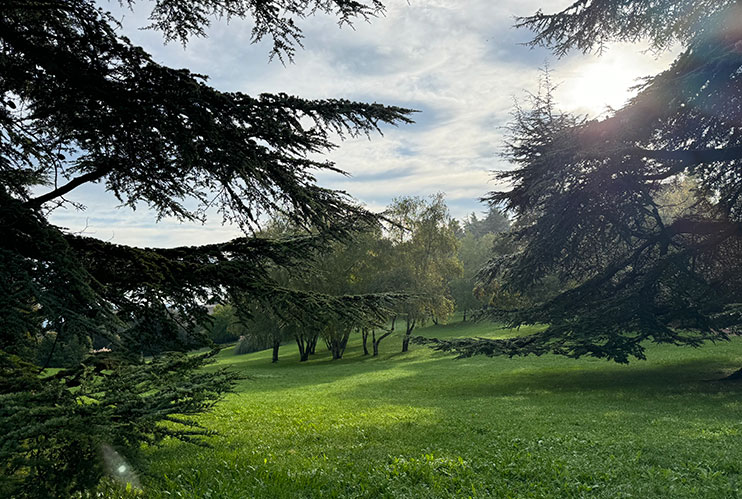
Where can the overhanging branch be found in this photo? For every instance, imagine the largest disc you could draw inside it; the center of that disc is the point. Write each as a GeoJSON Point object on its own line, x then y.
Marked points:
{"type": "Point", "coordinates": [61, 191]}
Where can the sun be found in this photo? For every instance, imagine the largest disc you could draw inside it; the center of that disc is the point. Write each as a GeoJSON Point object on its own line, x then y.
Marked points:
{"type": "Point", "coordinates": [591, 84]}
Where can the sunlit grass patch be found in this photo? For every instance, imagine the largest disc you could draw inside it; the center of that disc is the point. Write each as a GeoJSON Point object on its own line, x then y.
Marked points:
{"type": "Point", "coordinates": [422, 424]}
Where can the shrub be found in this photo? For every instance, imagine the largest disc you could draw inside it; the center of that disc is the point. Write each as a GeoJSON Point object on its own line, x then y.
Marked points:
{"type": "Point", "coordinates": [57, 352]}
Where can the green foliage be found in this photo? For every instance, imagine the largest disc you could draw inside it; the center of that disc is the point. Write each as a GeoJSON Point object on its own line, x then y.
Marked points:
{"type": "Point", "coordinates": [347, 284]}
{"type": "Point", "coordinates": [424, 425]}
{"type": "Point", "coordinates": [249, 343]}
{"type": "Point", "coordinates": [54, 353]}
{"type": "Point", "coordinates": [494, 223]}
{"type": "Point", "coordinates": [474, 252]}
{"type": "Point", "coordinates": [57, 430]}
{"type": "Point", "coordinates": [590, 25]}
{"type": "Point", "coordinates": [263, 329]}
{"type": "Point", "coordinates": [596, 202]}
{"type": "Point", "coordinates": [225, 326]}
{"type": "Point", "coordinates": [182, 20]}
{"type": "Point", "coordinates": [424, 259]}
{"type": "Point", "coordinates": [80, 104]}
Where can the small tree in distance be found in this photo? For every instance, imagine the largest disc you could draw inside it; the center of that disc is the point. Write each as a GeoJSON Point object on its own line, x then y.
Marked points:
{"type": "Point", "coordinates": [424, 259]}
{"type": "Point", "coordinates": [225, 326]}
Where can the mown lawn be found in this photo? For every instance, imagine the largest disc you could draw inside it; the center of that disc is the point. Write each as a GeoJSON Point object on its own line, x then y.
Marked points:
{"type": "Point", "coordinates": [423, 424]}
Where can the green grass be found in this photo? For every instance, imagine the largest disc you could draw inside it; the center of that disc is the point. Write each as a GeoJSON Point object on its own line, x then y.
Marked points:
{"type": "Point", "coordinates": [423, 424]}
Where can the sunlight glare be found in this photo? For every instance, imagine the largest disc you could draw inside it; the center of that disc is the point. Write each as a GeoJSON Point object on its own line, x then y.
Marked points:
{"type": "Point", "coordinates": [590, 84]}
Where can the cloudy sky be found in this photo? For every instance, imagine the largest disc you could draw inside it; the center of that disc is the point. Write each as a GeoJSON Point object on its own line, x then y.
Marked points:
{"type": "Point", "coordinates": [457, 61]}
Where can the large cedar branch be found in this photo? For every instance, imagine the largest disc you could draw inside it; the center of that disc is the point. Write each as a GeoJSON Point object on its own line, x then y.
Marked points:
{"type": "Point", "coordinates": [688, 157]}
{"type": "Point", "coordinates": [72, 184]}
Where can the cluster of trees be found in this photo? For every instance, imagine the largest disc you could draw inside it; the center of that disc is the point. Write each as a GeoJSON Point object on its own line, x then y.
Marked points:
{"type": "Point", "coordinates": [479, 239]}
{"type": "Point", "coordinates": [417, 259]}
{"type": "Point", "coordinates": [638, 217]}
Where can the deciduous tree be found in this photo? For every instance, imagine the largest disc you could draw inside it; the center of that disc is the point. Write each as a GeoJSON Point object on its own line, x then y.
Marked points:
{"type": "Point", "coordinates": [424, 259]}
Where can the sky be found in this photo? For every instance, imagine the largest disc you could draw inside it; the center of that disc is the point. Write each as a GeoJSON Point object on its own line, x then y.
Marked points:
{"type": "Point", "coordinates": [459, 62]}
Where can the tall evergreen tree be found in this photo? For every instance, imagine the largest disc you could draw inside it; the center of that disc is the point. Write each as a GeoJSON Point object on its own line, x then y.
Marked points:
{"type": "Point", "coordinates": [80, 104]}
{"type": "Point", "coordinates": [591, 196]}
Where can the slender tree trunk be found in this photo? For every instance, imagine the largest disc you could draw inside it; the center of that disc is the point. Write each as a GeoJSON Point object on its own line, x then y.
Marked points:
{"type": "Point", "coordinates": [337, 344]}
{"type": "Point", "coordinates": [375, 341]}
{"type": "Point", "coordinates": [344, 341]}
{"type": "Point", "coordinates": [364, 335]}
{"type": "Point", "coordinates": [465, 310]}
{"type": "Point", "coordinates": [312, 347]}
{"type": "Point", "coordinates": [276, 345]}
{"type": "Point", "coordinates": [408, 335]}
{"type": "Point", "coordinates": [303, 349]}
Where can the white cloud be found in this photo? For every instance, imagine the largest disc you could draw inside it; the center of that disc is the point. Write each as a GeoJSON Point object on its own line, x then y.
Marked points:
{"type": "Point", "coordinates": [457, 61]}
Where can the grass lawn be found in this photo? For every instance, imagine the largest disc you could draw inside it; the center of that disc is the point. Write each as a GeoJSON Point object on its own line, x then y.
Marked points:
{"type": "Point", "coordinates": [423, 424]}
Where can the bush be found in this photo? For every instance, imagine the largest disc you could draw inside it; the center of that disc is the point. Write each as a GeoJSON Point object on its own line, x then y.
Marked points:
{"type": "Point", "coordinates": [225, 326]}
{"type": "Point", "coordinates": [54, 352]}
{"type": "Point", "coordinates": [55, 441]}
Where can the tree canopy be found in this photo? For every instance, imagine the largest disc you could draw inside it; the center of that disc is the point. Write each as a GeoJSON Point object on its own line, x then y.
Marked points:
{"type": "Point", "coordinates": [80, 104]}
{"type": "Point", "coordinates": [424, 261]}
{"type": "Point", "coordinates": [590, 197]}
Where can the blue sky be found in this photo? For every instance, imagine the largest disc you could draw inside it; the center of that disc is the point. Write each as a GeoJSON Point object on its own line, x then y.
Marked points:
{"type": "Point", "coordinates": [458, 61]}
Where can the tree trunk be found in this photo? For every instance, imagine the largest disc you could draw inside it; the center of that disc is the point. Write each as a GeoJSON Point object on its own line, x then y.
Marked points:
{"type": "Point", "coordinates": [364, 335]}
{"type": "Point", "coordinates": [464, 315]}
{"type": "Point", "coordinates": [313, 344]}
{"type": "Point", "coordinates": [375, 341]}
{"type": "Point", "coordinates": [337, 344]}
{"type": "Point", "coordinates": [276, 345]}
{"type": "Point", "coordinates": [408, 335]}
{"type": "Point", "coordinates": [303, 349]}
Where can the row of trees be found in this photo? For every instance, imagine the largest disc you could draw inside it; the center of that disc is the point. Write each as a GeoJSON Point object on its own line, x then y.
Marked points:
{"type": "Point", "coordinates": [421, 259]}
{"type": "Point", "coordinates": [422, 256]}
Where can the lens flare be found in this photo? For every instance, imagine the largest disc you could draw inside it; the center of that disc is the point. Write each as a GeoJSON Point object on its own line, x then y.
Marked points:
{"type": "Point", "coordinates": [118, 468]}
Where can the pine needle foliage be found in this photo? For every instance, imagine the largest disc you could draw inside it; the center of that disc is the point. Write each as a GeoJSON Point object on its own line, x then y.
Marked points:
{"type": "Point", "coordinates": [80, 104]}
{"type": "Point", "coordinates": [591, 197]}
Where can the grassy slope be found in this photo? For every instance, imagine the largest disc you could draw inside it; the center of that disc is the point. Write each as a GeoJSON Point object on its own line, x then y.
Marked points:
{"type": "Point", "coordinates": [423, 424]}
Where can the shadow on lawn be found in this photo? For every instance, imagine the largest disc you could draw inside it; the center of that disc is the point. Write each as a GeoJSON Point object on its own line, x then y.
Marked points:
{"type": "Point", "coordinates": [638, 381]}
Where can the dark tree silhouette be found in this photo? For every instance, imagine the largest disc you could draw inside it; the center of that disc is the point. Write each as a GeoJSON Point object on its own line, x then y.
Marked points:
{"type": "Point", "coordinates": [80, 104]}
{"type": "Point", "coordinates": [591, 197]}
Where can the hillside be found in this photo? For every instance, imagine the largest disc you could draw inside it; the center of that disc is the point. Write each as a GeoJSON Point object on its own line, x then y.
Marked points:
{"type": "Point", "coordinates": [424, 424]}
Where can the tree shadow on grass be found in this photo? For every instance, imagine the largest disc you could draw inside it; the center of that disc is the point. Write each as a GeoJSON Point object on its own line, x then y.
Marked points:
{"type": "Point", "coordinates": [638, 381]}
